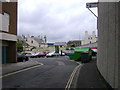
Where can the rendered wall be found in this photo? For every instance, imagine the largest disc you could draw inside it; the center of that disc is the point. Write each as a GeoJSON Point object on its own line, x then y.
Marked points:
{"type": "Point", "coordinates": [109, 41]}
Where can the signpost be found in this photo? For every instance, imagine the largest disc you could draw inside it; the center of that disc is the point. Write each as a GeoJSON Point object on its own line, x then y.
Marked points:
{"type": "Point", "coordinates": [92, 5]}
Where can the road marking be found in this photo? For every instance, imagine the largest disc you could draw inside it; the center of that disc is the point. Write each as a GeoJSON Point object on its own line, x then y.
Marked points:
{"type": "Point", "coordinates": [72, 77]}
{"type": "Point", "coordinates": [21, 70]}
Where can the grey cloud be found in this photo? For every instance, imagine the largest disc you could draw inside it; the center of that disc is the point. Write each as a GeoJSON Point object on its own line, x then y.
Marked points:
{"type": "Point", "coordinates": [58, 22]}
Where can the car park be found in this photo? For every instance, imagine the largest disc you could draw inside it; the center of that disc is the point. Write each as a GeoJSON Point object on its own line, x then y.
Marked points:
{"type": "Point", "coordinates": [21, 57]}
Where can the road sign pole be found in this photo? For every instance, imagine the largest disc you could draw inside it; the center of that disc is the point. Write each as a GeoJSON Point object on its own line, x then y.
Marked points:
{"type": "Point", "coordinates": [92, 5]}
{"type": "Point", "coordinates": [93, 13]}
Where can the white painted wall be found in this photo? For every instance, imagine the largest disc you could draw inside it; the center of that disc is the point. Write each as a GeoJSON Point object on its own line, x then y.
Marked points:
{"type": "Point", "coordinates": [89, 38]}
{"type": "Point", "coordinates": [9, 0]}
{"type": "Point", "coordinates": [29, 40]}
{"type": "Point", "coordinates": [8, 37]}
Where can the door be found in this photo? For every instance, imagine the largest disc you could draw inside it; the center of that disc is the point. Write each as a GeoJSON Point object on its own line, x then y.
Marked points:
{"type": "Point", "coordinates": [56, 49]}
{"type": "Point", "coordinates": [4, 54]}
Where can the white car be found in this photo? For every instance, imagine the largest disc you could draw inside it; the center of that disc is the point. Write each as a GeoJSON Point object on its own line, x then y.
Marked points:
{"type": "Point", "coordinates": [50, 54]}
{"type": "Point", "coordinates": [29, 55]}
{"type": "Point", "coordinates": [63, 54]}
{"type": "Point", "coordinates": [32, 55]}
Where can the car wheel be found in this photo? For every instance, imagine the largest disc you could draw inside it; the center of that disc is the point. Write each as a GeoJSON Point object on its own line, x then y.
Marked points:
{"type": "Point", "coordinates": [24, 60]}
{"type": "Point", "coordinates": [27, 59]}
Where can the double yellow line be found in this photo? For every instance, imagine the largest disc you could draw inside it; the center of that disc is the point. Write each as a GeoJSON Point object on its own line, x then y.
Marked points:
{"type": "Point", "coordinates": [72, 77]}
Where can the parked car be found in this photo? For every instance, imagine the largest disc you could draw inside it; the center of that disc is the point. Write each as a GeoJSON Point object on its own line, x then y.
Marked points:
{"type": "Point", "coordinates": [41, 54]}
{"type": "Point", "coordinates": [63, 53]}
{"type": "Point", "coordinates": [34, 55]}
{"type": "Point", "coordinates": [56, 54]}
{"type": "Point", "coordinates": [29, 54]}
{"type": "Point", "coordinates": [94, 51]}
{"type": "Point", "coordinates": [21, 57]}
{"type": "Point", "coordinates": [50, 54]}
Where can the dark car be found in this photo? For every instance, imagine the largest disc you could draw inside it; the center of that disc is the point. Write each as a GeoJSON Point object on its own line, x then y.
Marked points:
{"type": "Point", "coordinates": [21, 57]}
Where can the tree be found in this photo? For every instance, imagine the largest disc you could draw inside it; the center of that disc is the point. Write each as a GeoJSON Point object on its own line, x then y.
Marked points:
{"type": "Point", "coordinates": [19, 46]}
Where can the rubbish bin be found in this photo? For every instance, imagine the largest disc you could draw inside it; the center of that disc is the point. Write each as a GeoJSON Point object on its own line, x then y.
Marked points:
{"type": "Point", "coordinates": [78, 51]}
{"type": "Point", "coordinates": [86, 56]}
{"type": "Point", "coordinates": [70, 53]}
{"type": "Point", "coordinates": [77, 54]}
{"type": "Point", "coordinates": [71, 56]}
{"type": "Point", "coordinates": [82, 54]}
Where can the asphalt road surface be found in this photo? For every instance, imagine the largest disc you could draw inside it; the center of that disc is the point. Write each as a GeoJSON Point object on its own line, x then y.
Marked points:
{"type": "Point", "coordinates": [56, 72]}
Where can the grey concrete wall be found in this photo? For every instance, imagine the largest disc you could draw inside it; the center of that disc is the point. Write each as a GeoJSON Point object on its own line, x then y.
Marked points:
{"type": "Point", "coordinates": [108, 41]}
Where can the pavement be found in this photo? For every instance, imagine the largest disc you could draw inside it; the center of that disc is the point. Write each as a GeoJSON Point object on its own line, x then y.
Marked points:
{"type": "Point", "coordinates": [89, 75]}
{"type": "Point", "coordinates": [12, 67]}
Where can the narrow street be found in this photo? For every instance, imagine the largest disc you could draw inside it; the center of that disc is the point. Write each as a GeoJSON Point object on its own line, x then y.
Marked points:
{"type": "Point", "coordinates": [56, 72]}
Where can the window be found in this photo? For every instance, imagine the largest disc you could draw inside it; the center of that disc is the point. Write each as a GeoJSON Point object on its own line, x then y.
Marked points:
{"type": "Point", "coordinates": [5, 0]}
{"type": "Point", "coordinates": [5, 22]}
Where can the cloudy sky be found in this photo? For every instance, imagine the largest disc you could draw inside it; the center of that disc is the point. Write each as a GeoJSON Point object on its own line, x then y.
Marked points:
{"type": "Point", "coordinates": [59, 20]}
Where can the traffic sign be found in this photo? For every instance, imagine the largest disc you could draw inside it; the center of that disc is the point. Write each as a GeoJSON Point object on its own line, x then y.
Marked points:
{"type": "Point", "coordinates": [91, 5]}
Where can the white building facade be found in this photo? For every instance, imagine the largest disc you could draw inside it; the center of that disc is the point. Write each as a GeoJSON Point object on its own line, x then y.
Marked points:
{"type": "Point", "coordinates": [88, 39]}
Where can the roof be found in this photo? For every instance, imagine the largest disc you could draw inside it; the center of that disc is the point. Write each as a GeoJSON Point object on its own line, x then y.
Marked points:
{"type": "Point", "coordinates": [38, 40]}
{"type": "Point", "coordinates": [20, 38]}
{"type": "Point", "coordinates": [23, 41]}
{"type": "Point", "coordinates": [59, 43]}
{"type": "Point", "coordinates": [50, 43]}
